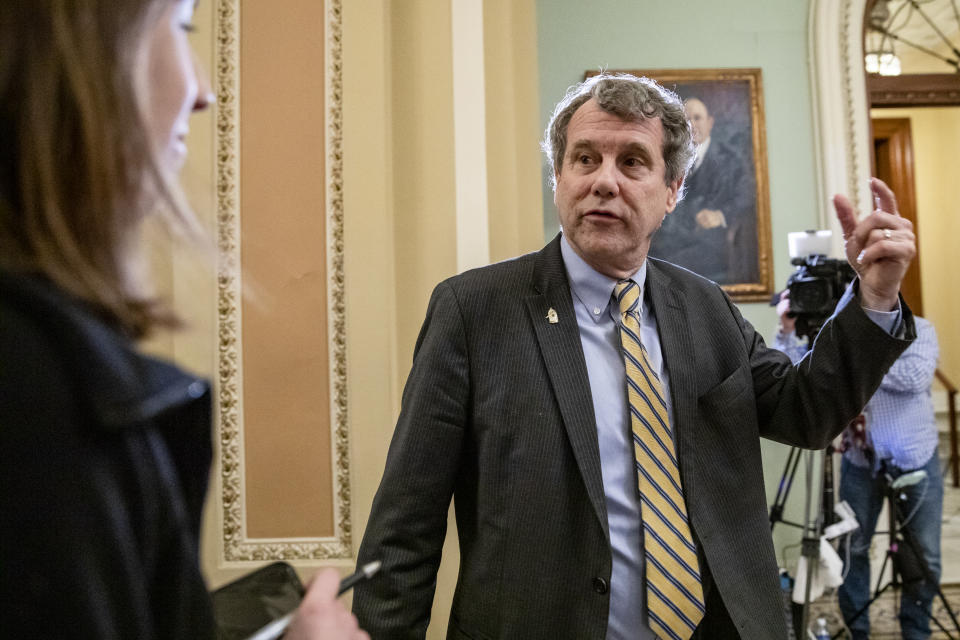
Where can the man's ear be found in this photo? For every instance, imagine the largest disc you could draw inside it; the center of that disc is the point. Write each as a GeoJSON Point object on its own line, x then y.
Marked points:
{"type": "Point", "coordinates": [672, 190]}
{"type": "Point", "coordinates": [556, 181]}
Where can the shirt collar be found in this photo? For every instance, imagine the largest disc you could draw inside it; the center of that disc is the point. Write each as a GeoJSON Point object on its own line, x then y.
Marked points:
{"type": "Point", "coordinates": [593, 289]}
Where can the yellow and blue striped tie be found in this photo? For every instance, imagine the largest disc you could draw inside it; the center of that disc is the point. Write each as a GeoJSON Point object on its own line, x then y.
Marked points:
{"type": "Point", "coordinates": [674, 593]}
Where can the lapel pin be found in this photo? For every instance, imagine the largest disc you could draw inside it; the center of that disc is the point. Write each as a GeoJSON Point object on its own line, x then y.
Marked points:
{"type": "Point", "coordinates": [552, 316]}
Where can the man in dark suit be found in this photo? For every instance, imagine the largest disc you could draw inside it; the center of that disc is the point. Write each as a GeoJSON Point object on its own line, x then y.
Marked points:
{"type": "Point", "coordinates": [713, 230]}
{"type": "Point", "coordinates": [522, 405]}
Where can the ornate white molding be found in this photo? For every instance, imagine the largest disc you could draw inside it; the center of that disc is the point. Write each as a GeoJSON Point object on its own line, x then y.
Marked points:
{"type": "Point", "coordinates": [236, 546]}
{"type": "Point", "coordinates": [841, 116]}
{"type": "Point", "coordinates": [337, 310]}
{"type": "Point", "coordinates": [229, 382]}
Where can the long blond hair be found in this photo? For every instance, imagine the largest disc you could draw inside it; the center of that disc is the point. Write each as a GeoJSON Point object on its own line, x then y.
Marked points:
{"type": "Point", "coordinates": [77, 172]}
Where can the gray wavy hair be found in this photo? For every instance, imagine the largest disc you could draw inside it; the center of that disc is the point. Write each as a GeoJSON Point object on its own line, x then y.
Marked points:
{"type": "Point", "coordinates": [630, 98]}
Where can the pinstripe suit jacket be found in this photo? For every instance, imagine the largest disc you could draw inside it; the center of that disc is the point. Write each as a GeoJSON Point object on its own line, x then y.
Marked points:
{"type": "Point", "coordinates": [497, 413]}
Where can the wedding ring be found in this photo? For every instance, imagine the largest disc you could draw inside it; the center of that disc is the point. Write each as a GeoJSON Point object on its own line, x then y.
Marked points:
{"type": "Point", "coordinates": [887, 234]}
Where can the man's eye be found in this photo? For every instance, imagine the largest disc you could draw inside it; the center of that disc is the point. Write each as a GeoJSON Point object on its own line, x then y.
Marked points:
{"type": "Point", "coordinates": [583, 159]}
{"type": "Point", "coordinates": [188, 27]}
{"type": "Point", "coordinates": [632, 162]}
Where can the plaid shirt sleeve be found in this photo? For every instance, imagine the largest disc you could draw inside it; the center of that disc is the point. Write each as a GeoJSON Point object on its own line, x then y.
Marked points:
{"type": "Point", "coordinates": [900, 418]}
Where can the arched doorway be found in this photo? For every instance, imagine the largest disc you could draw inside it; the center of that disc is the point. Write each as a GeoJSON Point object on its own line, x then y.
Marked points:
{"type": "Point", "coordinates": [846, 155]}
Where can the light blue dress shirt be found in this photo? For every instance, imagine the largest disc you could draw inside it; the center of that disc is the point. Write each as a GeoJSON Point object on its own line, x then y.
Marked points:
{"type": "Point", "coordinates": [598, 321]}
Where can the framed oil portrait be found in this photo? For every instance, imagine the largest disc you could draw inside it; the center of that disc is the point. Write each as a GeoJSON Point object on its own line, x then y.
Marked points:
{"type": "Point", "coordinates": [721, 228]}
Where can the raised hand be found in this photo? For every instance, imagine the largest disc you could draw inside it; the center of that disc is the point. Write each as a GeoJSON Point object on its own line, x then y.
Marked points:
{"type": "Point", "coordinates": [879, 247]}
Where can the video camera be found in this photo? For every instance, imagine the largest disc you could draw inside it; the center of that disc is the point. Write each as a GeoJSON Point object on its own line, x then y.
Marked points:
{"type": "Point", "coordinates": [815, 288]}
{"type": "Point", "coordinates": [817, 283]}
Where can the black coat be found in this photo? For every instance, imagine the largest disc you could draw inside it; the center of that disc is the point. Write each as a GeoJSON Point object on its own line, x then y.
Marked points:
{"type": "Point", "coordinates": [497, 412]}
{"type": "Point", "coordinates": [104, 460]}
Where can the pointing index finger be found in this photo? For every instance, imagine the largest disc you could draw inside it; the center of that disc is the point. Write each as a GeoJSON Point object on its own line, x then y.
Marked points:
{"type": "Point", "coordinates": [883, 196]}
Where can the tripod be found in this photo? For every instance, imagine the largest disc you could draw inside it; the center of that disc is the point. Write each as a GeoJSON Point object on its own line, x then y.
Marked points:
{"type": "Point", "coordinates": [786, 483]}
{"type": "Point", "coordinates": [908, 567]}
{"type": "Point", "coordinates": [825, 515]}
{"type": "Point", "coordinates": [812, 526]}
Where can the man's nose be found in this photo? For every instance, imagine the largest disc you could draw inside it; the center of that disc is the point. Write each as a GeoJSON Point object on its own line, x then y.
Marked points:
{"type": "Point", "coordinates": [605, 183]}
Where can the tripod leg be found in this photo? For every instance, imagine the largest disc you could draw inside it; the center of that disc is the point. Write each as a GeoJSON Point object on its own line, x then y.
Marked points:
{"type": "Point", "coordinates": [918, 597]}
{"type": "Point", "coordinates": [811, 532]}
{"type": "Point", "coordinates": [919, 520]}
{"type": "Point", "coordinates": [783, 488]}
{"type": "Point", "coordinates": [950, 612]}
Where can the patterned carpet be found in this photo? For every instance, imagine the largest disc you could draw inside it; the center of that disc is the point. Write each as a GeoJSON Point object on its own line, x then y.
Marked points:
{"type": "Point", "coordinates": [883, 614]}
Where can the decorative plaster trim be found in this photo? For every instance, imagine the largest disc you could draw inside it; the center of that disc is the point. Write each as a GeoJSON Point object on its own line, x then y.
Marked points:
{"type": "Point", "coordinates": [236, 546]}
{"type": "Point", "coordinates": [337, 286]}
{"type": "Point", "coordinates": [841, 114]}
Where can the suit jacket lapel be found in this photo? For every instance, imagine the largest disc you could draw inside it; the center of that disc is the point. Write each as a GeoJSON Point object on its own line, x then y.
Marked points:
{"type": "Point", "coordinates": [680, 358]}
{"type": "Point", "coordinates": [563, 355]}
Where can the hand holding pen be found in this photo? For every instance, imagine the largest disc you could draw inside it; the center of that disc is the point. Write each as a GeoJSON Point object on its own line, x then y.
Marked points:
{"type": "Point", "coordinates": [320, 614]}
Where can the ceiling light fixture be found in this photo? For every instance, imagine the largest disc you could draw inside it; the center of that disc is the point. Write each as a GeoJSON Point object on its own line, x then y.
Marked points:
{"type": "Point", "coordinates": [885, 29]}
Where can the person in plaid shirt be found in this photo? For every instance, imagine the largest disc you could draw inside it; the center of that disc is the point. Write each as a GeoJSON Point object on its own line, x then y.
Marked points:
{"type": "Point", "coordinates": [896, 434]}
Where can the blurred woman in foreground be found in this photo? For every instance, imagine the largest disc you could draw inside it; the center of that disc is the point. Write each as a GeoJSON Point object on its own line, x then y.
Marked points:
{"type": "Point", "coordinates": [104, 452]}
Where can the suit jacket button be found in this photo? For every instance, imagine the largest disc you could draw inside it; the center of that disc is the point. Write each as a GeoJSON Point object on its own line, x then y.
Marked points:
{"type": "Point", "coordinates": [600, 585]}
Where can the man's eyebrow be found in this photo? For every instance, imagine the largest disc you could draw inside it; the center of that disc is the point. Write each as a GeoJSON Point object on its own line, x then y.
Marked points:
{"type": "Point", "coordinates": [580, 145]}
{"type": "Point", "coordinates": [638, 149]}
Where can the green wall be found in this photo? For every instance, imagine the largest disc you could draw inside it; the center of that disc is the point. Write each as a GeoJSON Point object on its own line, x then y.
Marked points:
{"type": "Point", "coordinates": [574, 36]}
